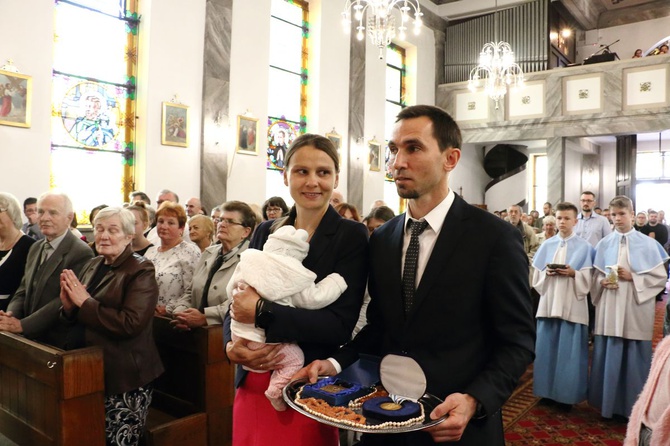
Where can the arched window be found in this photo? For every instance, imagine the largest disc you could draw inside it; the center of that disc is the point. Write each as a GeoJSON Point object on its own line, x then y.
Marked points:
{"type": "Point", "coordinates": [395, 101]}
{"type": "Point", "coordinates": [93, 101]}
{"type": "Point", "coordinates": [287, 98]}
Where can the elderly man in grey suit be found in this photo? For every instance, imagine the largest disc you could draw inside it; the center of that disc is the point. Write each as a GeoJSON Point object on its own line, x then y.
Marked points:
{"type": "Point", "coordinates": [34, 309]}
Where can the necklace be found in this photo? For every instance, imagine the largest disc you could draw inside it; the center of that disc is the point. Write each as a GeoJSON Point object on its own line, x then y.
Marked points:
{"type": "Point", "coordinates": [7, 246]}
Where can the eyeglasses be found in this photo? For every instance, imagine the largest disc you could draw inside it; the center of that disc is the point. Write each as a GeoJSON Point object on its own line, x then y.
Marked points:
{"type": "Point", "coordinates": [229, 221]}
{"type": "Point", "coordinates": [273, 210]}
{"type": "Point", "coordinates": [587, 201]}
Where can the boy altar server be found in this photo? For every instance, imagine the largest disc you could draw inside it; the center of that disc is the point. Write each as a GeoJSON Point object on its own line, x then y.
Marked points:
{"type": "Point", "coordinates": [629, 274]}
{"type": "Point", "coordinates": [562, 275]}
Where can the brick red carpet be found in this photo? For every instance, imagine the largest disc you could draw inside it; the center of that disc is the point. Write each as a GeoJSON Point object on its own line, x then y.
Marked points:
{"type": "Point", "coordinates": [529, 422]}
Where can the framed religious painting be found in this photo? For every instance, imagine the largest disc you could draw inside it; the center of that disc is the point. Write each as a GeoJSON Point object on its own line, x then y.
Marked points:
{"type": "Point", "coordinates": [374, 155]}
{"type": "Point", "coordinates": [174, 125]}
{"type": "Point", "coordinates": [247, 129]}
{"type": "Point", "coordinates": [336, 139]}
{"type": "Point", "coordinates": [15, 98]}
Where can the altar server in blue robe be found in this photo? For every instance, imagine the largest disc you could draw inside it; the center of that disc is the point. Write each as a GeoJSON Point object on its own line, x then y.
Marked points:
{"type": "Point", "coordinates": [625, 304]}
{"type": "Point", "coordinates": [562, 270]}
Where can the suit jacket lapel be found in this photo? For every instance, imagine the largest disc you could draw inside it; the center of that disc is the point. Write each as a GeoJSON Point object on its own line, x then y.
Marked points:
{"type": "Point", "coordinates": [32, 262]}
{"type": "Point", "coordinates": [445, 247]}
{"type": "Point", "coordinates": [321, 239]}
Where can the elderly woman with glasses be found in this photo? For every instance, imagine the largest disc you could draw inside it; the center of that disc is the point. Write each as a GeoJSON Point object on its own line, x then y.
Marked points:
{"type": "Point", "coordinates": [14, 247]}
{"type": "Point", "coordinates": [273, 208]}
{"type": "Point", "coordinates": [111, 303]}
{"type": "Point", "coordinates": [206, 301]}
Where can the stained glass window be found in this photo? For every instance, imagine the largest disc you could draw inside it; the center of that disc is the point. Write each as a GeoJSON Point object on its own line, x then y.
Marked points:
{"type": "Point", "coordinates": [287, 98]}
{"type": "Point", "coordinates": [93, 101]}
{"type": "Point", "coordinates": [395, 101]}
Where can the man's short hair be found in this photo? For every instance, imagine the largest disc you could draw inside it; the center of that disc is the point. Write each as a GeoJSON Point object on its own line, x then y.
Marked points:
{"type": "Point", "coordinates": [248, 214]}
{"type": "Point", "coordinates": [622, 202]}
{"type": "Point", "coordinates": [549, 204]}
{"type": "Point", "coordinates": [653, 212]}
{"type": "Point", "coordinates": [135, 195]}
{"type": "Point", "coordinates": [69, 209]}
{"type": "Point", "coordinates": [588, 192]}
{"type": "Point", "coordinates": [445, 129]}
{"type": "Point", "coordinates": [28, 201]}
{"type": "Point", "coordinates": [168, 191]}
{"type": "Point", "coordinates": [567, 206]}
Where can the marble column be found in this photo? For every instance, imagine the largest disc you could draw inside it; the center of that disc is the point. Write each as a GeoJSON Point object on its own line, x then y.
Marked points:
{"type": "Point", "coordinates": [215, 102]}
{"type": "Point", "coordinates": [355, 176]}
{"type": "Point", "coordinates": [556, 170]}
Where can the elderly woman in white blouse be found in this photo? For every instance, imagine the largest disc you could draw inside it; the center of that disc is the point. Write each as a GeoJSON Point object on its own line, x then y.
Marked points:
{"type": "Point", "coordinates": [174, 259]}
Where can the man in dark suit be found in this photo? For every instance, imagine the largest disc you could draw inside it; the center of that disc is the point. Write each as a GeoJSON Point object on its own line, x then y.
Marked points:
{"type": "Point", "coordinates": [34, 309]}
{"type": "Point", "coordinates": [463, 311]}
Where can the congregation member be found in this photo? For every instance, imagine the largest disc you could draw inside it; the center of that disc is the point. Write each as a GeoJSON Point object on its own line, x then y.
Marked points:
{"type": "Point", "coordinates": [14, 248]}
{"type": "Point", "coordinates": [562, 275]}
{"type": "Point", "coordinates": [348, 211]}
{"type": "Point", "coordinates": [216, 214]}
{"type": "Point", "coordinates": [33, 309]}
{"type": "Point", "coordinates": [174, 258]}
{"type": "Point", "coordinates": [31, 228]}
{"type": "Point", "coordinates": [658, 232]}
{"type": "Point", "coordinates": [140, 243]}
{"type": "Point", "coordinates": [163, 196]}
{"type": "Point", "coordinates": [194, 207]}
{"type": "Point", "coordinates": [201, 231]}
{"type": "Point", "coordinates": [530, 243]}
{"type": "Point", "coordinates": [629, 274]}
{"type": "Point", "coordinates": [206, 301]}
{"type": "Point", "coordinates": [649, 423]}
{"type": "Point", "coordinates": [460, 306]}
{"type": "Point", "coordinates": [591, 226]}
{"type": "Point", "coordinates": [336, 245]}
{"type": "Point", "coordinates": [336, 198]}
{"type": "Point", "coordinates": [140, 196]}
{"type": "Point", "coordinates": [640, 221]}
{"type": "Point", "coordinates": [377, 217]}
{"type": "Point", "coordinates": [273, 208]}
{"type": "Point", "coordinates": [112, 302]}
{"type": "Point", "coordinates": [548, 229]}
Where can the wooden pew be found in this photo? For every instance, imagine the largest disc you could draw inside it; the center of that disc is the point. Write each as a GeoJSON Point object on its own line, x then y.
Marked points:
{"type": "Point", "coordinates": [50, 396]}
{"type": "Point", "coordinates": [193, 400]}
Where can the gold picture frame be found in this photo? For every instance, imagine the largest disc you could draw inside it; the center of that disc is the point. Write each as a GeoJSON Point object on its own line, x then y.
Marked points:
{"type": "Point", "coordinates": [374, 155]}
{"type": "Point", "coordinates": [247, 135]}
{"type": "Point", "coordinates": [16, 92]}
{"type": "Point", "coordinates": [174, 125]}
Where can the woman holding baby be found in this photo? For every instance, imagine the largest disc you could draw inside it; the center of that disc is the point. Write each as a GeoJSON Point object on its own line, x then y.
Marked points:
{"type": "Point", "coordinates": [336, 246]}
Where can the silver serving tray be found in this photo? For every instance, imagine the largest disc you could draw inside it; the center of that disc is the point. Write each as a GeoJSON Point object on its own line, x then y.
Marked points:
{"type": "Point", "coordinates": [429, 403]}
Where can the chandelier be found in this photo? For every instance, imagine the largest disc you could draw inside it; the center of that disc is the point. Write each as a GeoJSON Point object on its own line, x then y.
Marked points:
{"type": "Point", "coordinates": [497, 69]}
{"type": "Point", "coordinates": [380, 19]}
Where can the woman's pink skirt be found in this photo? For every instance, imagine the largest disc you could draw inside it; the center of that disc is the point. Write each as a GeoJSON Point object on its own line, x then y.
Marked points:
{"type": "Point", "coordinates": [257, 423]}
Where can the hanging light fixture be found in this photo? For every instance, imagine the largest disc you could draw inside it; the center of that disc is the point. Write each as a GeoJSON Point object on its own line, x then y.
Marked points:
{"type": "Point", "coordinates": [497, 69]}
{"type": "Point", "coordinates": [380, 19]}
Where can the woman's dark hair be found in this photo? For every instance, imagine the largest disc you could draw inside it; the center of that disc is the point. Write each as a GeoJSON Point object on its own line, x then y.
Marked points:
{"type": "Point", "coordinates": [95, 210]}
{"type": "Point", "coordinates": [276, 202]}
{"type": "Point", "coordinates": [384, 213]}
{"type": "Point", "coordinates": [318, 142]}
{"type": "Point", "coordinates": [248, 214]}
{"type": "Point", "coordinates": [342, 209]}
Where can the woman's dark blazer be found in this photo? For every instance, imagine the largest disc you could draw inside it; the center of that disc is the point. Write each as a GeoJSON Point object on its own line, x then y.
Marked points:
{"type": "Point", "coordinates": [119, 318]}
{"type": "Point", "coordinates": [338, 245]}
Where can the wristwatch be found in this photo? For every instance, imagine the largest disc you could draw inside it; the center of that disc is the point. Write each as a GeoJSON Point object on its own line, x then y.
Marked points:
{"type": "Point", "coordinates": [264, 315]}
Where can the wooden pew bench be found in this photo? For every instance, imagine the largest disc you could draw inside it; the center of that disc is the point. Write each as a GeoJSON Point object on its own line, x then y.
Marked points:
{"type": "Point", "coordinates": [193, 399]}
{"type": "Point", "coordinates": [50, 396]}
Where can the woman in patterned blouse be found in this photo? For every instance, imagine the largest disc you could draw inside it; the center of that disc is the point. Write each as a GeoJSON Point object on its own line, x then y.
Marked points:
{"type": "Point", "coordinates": [174, 259]}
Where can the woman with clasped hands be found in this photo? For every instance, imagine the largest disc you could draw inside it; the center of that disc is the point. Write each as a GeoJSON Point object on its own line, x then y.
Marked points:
{"type": "Point", "coordinates": [336, 245]}
{"type": "Point", "coordinates": [113, 303]}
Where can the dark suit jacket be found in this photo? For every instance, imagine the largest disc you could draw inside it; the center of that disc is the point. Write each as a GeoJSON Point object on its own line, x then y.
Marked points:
{"type": "Point", "coordinates": [339, 246]}
{"type": "Point", "coordinates": [36, 301]}
{"type": "Point", "coordinates": [471, 328]}
{"type": "Point", "coordinates": [119, 318]}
